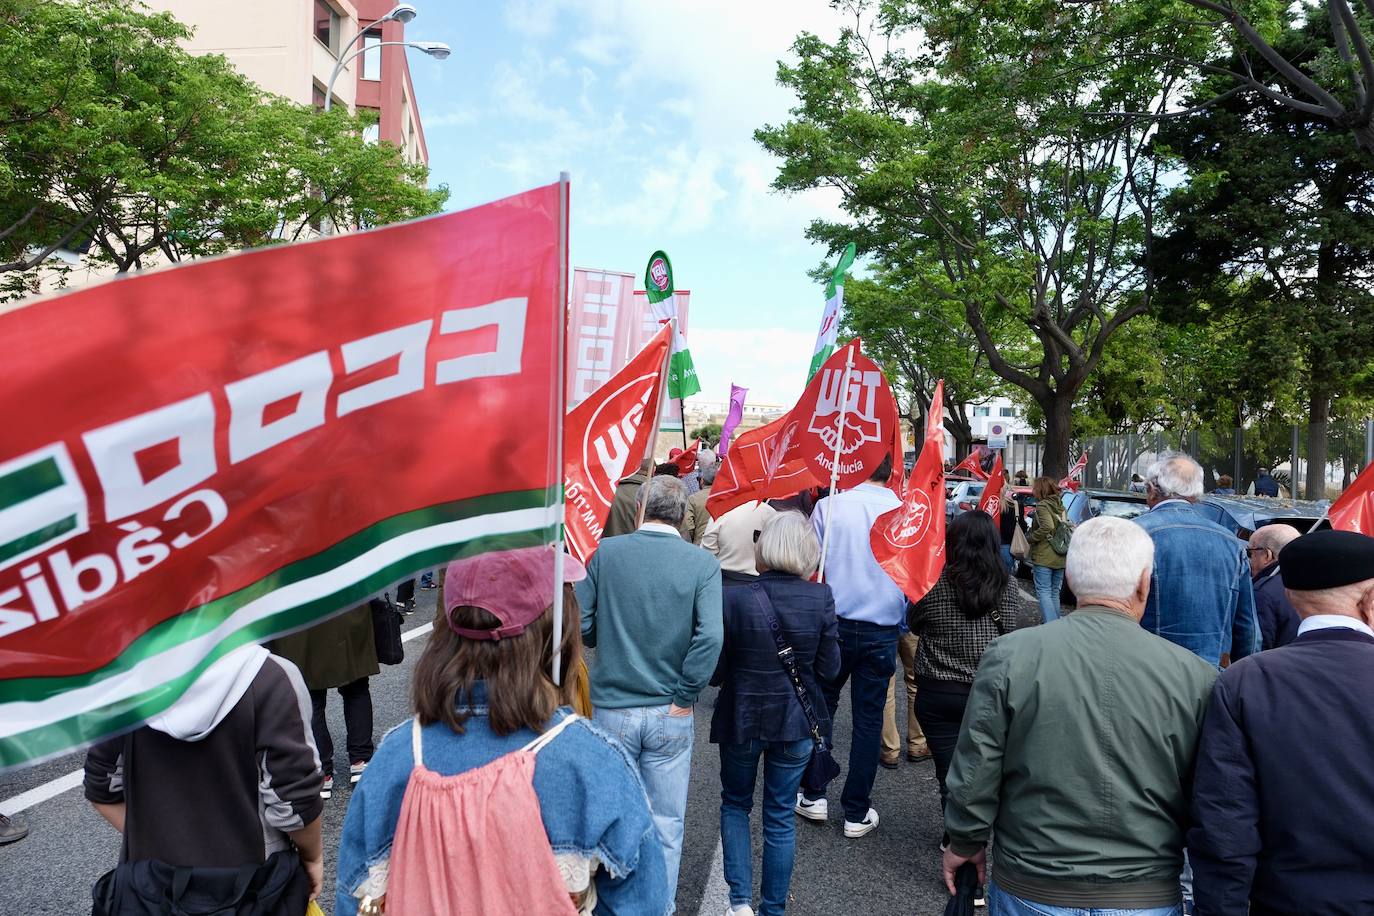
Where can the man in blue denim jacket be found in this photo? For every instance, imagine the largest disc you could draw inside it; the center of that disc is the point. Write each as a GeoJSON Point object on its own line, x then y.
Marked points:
{"type": "Point", "coordinates": [1201, 595]}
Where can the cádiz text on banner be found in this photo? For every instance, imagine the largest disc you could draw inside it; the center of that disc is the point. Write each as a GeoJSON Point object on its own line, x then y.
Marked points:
{"type": "Point", "coordinates": [203, 457]}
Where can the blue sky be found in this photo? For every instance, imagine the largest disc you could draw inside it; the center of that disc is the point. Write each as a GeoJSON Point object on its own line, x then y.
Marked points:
{"type": "Point", "coordinates": [651, 106]}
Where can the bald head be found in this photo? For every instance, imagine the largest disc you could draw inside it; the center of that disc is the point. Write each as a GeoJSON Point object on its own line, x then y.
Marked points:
{"type": "Point", "coordinates": [1266, 543]}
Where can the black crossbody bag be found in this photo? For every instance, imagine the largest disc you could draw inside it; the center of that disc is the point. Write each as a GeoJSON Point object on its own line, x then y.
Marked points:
{"type": "Point", "coordinates": [822, 767]}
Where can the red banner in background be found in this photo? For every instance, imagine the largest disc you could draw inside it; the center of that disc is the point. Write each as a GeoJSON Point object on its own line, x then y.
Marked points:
{"type": "Point", "coordinates": [606, 437]}
{"type": "Point", "coordinates": [744, 471]}
{"type": "Point", "coordinates": [609, 321]}
{"type": "Point", "coordinates": [909, 541]}
{"type": "Point", "coordinates": [206, 456]}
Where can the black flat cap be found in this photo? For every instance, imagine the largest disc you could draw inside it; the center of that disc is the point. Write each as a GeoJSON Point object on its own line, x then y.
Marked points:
{"type": "Point", "coordinates": [1327, 559]}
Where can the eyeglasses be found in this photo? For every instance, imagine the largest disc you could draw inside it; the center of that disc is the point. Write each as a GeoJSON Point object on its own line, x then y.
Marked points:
{"type": "Point", "coordinates": [1250, 550]}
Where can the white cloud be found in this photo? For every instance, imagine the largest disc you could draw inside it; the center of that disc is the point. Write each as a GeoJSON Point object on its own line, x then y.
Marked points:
{"type": "Point", "coordinates": [453, 116]}
{"type": "Point", "coordinates": [770, 361]}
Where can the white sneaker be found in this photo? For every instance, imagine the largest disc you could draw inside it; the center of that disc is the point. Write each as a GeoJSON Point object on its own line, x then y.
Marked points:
{"type": "Point", "coordinates": [866, 826]}
{"type": "Point", "coordinates": [743, 909]}
{"type": "Point", "coordinates": [817, 810]}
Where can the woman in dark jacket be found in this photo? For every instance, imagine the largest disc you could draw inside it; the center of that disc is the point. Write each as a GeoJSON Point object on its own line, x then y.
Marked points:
{"type": "Point", "coordinates": [340, 653]}
{"type": "Point", "coordinates": [973, 602]}
{"type": "Point", "coordinates": [758, 713]}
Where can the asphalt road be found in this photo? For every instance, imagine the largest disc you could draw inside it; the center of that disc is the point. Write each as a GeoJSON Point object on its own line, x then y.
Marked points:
{"type": "Point", "coordinates": [894, 870]}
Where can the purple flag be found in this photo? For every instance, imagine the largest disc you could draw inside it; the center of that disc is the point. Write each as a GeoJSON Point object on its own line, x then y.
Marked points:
{"type": "Point", "coordinates": [733, 417]}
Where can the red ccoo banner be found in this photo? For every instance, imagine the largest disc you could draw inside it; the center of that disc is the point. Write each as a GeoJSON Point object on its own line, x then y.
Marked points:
{"type": "Point", "coordinates": [207, 456]}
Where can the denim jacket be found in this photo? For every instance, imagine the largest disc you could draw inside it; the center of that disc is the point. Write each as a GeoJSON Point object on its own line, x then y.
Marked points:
{"type": "Point", "coordinates": [590, 798]}
{"type": "Point", "coordinates": [1201, 596]}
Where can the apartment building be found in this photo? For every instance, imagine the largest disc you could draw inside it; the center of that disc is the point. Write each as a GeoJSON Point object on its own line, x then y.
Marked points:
{"type": "Point", "coordinates": [291, 47]}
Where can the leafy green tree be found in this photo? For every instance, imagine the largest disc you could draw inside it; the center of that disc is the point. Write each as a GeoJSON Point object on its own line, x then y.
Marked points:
{"type": "Point", "coordinates": [708, 433]}
{"type": "Point", "coordinates": [981, 169]}
{"type": "Point", "coordinates": [116, 141]}
{"type": "Point", "coordinates": [921, 339]}
{"type": "Point", "coordinates": [1274, 232]}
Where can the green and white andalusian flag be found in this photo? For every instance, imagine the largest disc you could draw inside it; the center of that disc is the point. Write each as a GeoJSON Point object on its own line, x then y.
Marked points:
{"type": "Point", "coordinates": [830, 318]}
{"type": "Point", "coordinates": [658, 286]}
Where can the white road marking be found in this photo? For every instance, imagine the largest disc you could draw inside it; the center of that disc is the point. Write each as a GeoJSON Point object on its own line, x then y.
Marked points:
{"type": "Point", "coordinates": [42, 793]}
{"type": "Point", "coordinates": [715, 898]}
{"type": "Point", "coordinates": [55, 787]}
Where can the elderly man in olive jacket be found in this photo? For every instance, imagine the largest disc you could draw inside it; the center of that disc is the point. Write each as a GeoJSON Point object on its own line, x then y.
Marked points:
{"type": "Point", "coordinates": [1084, 785]}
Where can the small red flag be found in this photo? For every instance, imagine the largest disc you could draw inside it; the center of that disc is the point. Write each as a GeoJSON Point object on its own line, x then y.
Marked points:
{"type": "Point", "coordinates": [909, 541]}
{"type": "Point", "coordinates": [897, 479]}
{"type": "Point", "coordinates": [973, 465]}
{"type": "Point", "coordinates": [991, 500]}
{"type": "Point", "coordinates": [604, 437]}
{"type": "Point", "coordinates": [1353, 510]}
{"type": "Point", "coordinates": [1075, 472]}
{"type": "Point", "coordinates": [686, 461]}
{"type": "Point", "coordinates": [744, 474]}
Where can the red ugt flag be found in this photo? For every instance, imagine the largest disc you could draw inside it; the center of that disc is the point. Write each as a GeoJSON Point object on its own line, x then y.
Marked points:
{"type": "Point", "coordinates": [1354, 509]}
{"type": "Point", "coordinates": [605, 435]}
{"type": "Point", "coordinates": [909, 541]}
{"type": "Point", "coordinates": [991, 500]}
{"type": "Point", "coordinates": [851, 384]}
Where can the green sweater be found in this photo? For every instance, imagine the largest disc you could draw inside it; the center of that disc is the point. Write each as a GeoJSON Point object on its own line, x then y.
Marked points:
{"type": "Point", "coordinates": [1049, 512]}
{"type": "Point", "coordinates": [1076, 749]}
{"type": "Point", "coordinates": [651, 608]}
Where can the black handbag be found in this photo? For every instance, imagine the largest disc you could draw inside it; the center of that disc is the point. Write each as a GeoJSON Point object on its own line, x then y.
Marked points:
{"type": "Point", "coordinates": [386, 631]}
{"type": "Point", "coordinates": [277, 887]}
{"type": "Point", "coordinates": [822, 767]}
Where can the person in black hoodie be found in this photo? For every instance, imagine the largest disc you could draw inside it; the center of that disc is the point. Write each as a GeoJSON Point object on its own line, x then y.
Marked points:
{"type": "Point", "coordinates": [225, 777]}
{"type": "Point", "coordinates": [1283, 797]}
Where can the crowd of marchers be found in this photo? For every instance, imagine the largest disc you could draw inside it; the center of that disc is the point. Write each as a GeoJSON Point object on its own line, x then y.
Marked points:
{"type": "Point", "coordinates": [1194, 736]}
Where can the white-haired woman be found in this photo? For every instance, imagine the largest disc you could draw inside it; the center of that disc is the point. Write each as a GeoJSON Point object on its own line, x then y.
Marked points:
{"type": "Point", "coordinates": [759, 714]}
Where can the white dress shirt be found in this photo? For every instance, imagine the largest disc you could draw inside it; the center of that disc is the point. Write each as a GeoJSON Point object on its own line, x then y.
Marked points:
{"type": "Point", "coordinates": [1332, 621]}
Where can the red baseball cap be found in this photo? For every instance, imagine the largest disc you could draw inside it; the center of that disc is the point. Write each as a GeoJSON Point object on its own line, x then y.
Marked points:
{"type": "Point", "coordinates": [515, 586]}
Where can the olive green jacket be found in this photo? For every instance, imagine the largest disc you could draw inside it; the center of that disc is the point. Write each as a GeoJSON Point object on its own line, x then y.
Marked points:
{"type": "Point", "coordinates": [1049, 513]}
{"type": "Point", "coordinates": [1076, 753]}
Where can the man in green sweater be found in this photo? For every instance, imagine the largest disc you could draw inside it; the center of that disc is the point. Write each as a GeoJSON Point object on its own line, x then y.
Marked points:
{"type": "Point", "coordinates": [651, 608]}
{"type": "Point", "coordinates": [1076, 748]}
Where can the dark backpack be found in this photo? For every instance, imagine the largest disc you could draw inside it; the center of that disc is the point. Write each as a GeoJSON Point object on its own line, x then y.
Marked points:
{"type": "Point", "coordinates": [277, 887]}
{"type": "Point", "coordinates": [1060, 537]}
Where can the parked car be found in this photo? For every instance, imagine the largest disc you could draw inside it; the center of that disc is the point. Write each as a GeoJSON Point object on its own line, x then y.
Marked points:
{"type": "Point", "coordinates": [963, 497]}
{"type": "Point", "coordinates": [1247, 514]}
{"type": "Point", "coordinates": [1089, 504]}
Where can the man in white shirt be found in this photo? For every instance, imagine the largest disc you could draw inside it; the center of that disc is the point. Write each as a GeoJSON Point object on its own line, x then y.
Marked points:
{"type": "Point", "coordinates": [731, 537]}
{"type": "Point", "coordinates": [869, 607]}
{"type": "Point", "coordinates": [1283, 796]}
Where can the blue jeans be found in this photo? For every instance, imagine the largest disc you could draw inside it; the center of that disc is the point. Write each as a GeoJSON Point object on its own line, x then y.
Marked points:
{"type": "Point", "coordinates": [1000, 903]}
{"type": "Point", "coordinates": [784, 762]}
{"type": "Point", "coordinates": [868, 657]}
{"type": "Point", "coordinates": [1008, 559]}
{"type": "Point", "coordinates": [661, 747]}
{"type": "Point", "coordinates": [1048, 582]}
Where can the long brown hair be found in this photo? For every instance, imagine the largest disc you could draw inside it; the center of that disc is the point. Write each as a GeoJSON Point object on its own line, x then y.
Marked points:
{"type": "Point", "coordinates": [520, 689]}
{"type": "Point", "coordinates": [1045, 487]}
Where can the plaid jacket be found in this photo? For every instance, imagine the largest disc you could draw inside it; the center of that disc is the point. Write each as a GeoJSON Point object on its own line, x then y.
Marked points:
{"type": "Point", "coordinates": [951, 643]}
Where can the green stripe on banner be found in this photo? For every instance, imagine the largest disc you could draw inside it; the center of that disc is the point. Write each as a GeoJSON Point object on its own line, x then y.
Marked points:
{"type": "Point", "coordinates": [19, 545]}
{"type": "Point", "coordinates": [28, 482]}
{"type": "Point", "coordinates": [91, 726]}
{"type": "Point", "coordinates": [199, 621]}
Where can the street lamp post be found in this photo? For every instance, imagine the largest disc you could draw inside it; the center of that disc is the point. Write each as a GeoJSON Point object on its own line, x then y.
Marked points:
{"type": "Point", "coordinates": [403, 13]}
{"type": "Point", "coordinates": [435, 49]}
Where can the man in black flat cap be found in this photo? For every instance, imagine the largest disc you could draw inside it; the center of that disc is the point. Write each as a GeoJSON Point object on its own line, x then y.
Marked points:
{"type": "Point", "coordinates": [1283, 797]}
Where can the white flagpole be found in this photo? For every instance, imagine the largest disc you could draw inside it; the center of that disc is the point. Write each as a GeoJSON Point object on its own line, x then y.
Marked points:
{"type": "Point", "coordinates": [835, 464]}
{"type": "Point", "coordinates": [559, 400]}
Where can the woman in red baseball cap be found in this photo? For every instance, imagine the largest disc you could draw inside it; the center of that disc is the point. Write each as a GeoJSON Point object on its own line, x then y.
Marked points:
{"type": "Point", "coordinates": [496, 797]}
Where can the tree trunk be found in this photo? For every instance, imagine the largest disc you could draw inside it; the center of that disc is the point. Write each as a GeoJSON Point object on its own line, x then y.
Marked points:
{"type": "Point", "coordinates": [1319, 421]}
{"type": "Point", "coordinates": [1058, 412]}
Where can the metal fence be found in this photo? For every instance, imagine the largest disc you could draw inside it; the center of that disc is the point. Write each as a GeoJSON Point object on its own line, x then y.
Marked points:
{"type": "Point", "coordinates": [1234, 453]}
